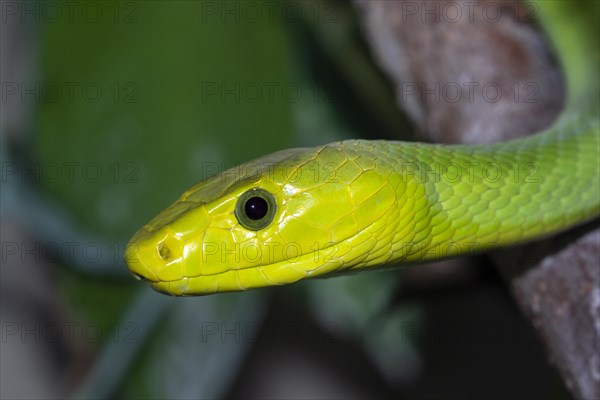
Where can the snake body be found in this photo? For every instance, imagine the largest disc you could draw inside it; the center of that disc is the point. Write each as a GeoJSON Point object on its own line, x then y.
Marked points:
{"type": "Point", "coordinates": [358, 205]}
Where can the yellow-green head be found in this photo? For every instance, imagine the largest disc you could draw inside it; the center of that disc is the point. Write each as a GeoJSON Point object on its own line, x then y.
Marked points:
{"type": "Point", "coordinates": [295, 214]}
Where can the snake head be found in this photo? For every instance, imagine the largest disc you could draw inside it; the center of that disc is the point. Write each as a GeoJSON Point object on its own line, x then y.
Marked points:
{"type": "Point", "coordinates": [292, 215]}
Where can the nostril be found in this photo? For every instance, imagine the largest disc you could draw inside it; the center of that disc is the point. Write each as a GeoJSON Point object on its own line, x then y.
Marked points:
{"type": "Point", "coordinates": [164, 252]}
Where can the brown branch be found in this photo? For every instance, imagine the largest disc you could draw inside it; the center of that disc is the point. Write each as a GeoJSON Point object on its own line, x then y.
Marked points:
{"type": "Point", "coordinates": [427, 50]}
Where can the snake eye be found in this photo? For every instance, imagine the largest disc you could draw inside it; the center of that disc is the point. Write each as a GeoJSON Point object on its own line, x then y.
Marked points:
{"type": "Point", "coordinates": [255, 209]}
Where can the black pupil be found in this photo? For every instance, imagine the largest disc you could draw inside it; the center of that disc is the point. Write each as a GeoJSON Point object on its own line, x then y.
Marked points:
{"type": "Point", "coordinates": [256, 208]}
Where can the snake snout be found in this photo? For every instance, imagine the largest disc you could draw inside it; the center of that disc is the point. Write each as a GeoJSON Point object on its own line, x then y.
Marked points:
{"type": "Point", "coordinates": [134, 258]}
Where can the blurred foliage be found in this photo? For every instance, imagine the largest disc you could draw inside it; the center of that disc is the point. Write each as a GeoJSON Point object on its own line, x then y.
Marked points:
{"type": "Point", "coordinates": [97, 300]}
{"type": "Point", "coordinates": [198, 350]}
{"type": "Point", "coordinates": [169, 104]}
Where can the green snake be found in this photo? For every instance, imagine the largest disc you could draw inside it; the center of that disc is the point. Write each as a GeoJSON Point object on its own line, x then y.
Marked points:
{"type": "Point", "coordinates": [358, 205]}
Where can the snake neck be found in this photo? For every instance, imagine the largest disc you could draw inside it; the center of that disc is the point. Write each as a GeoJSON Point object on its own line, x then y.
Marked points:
{"type": "Point", "coordinates": [453, 200]}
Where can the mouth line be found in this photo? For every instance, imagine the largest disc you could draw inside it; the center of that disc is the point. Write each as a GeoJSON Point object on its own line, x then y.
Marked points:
{"type": "Point", "coordinates": [303, 256]}
{"type": "Point", "coordinates": [151, 283]}
{"type": "Point", "coordinates": [139, 277]}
